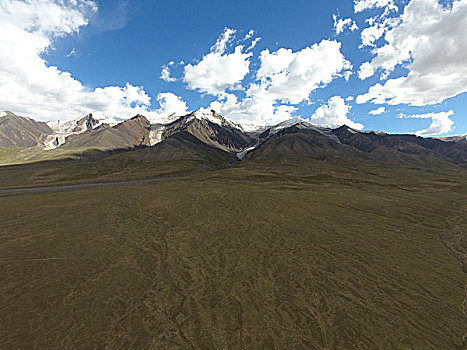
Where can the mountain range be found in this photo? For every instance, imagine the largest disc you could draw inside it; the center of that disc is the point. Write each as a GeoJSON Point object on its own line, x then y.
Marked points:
{"type": "Point", "coordinates": [205, 133]}
{"type": "Point", "coordinates": [192, 232]}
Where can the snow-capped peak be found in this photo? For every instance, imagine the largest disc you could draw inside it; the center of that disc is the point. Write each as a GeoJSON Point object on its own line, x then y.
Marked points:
{"type": "Point", "coordinates": [211, 116]}
{"type": "Point", "coordinates": [63, 129]}
{"type": "Point", "coordinates": [104, 119]}
{"type": "Point", "coordinates": [291, 122]}
{"type": "Point", "coordinates": [70, 126]}
{"type": "Point", "coordinates": [207, 114]}
{"type": "Point", "coordinates": [79, 125]}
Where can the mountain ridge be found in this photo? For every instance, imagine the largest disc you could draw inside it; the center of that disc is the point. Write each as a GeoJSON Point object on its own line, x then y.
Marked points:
{"type": "Point", "coordinates": [294, 138]}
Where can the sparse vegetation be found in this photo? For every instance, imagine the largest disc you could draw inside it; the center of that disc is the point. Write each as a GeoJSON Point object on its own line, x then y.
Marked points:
{"type": "Point", "coordinates": [257, 256]}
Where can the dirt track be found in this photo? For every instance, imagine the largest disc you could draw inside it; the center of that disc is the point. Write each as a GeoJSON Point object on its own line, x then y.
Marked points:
{"type": "Point", "coordinates": [32, 191]}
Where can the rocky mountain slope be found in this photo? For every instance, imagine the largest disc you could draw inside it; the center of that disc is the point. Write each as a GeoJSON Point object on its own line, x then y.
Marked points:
{"type": "Point", "coordinates": [131, 133]}
{"type": "Point", "coordinates": [212, 129]}
{"type": "Point", "coordinates": [205, 129]}
{"type": "Point", "coordinates": [301, 139]}
{"type": "Point", "coordinates": [183, 146]}
{"type": "Point", "coordinates": [69, 130]}
{"type": "Point", "coordinates": [16, 131]}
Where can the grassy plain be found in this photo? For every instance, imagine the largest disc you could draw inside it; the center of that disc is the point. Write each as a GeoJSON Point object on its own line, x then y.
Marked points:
{"type": "Point", "coordinates": [257, 256]}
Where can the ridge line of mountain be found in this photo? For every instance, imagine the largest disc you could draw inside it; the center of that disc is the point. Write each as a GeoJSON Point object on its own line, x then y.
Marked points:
{"type": "Point", "coordinates": [292, 138]}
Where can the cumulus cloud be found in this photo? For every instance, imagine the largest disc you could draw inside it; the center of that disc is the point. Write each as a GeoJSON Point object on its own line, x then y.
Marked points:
{"type": "Point", "coordinates": [32, 87]}
{"type": "Point", "coordinates": [257, 108]}
{"type": "Point", "coordinates": [169, 104]}
{"type": "Point", "coordinates": [366, 70]}
{"type": "Point", "coordinates": [334, 114]}
{"type": "Point", "coordinates": [165, 73]}
{"type": "Point", "coordinates": [341, 24]}
{"type": "Point", "coordinates": [218, 70]}
{"type": "Point", "coordinates": [291, 76]}
{"type": "Point", "coordinates": [440, 123]}
{"type": "Point", "coordinates": [115, 100]}
{"type": "Point", "coordinates": [371, 34]}
{"type": "Point", "coordinates": [362, 5]}
{"type": "Point", "coordinates": [433, 51]}
{"type": "Point", "coordinates": [284, 79]}
{"type": "Point", "coordinates": [377, 111]}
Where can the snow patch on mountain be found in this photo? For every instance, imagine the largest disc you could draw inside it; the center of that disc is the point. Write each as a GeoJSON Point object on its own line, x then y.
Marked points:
{"type": "Point", "coordinates": [302, 124]}
{"type": "Point", "coordinates": [164, 120]}
{"type": "Point", "coordinates": [80, 125]}
{"type": "Point", "coordinates": [155, 134]}
{"type": "Point", "coordinates": [63, 129]}
{"type": "Point", "coordinates": [211, 116]}
{"type": "Point", "coordinates": [2, 114]}
{"type": "Point", "coordinates": [242, 154]}
{"type": "Point", "coordinates": [254, 128]}
{"type": "Point", "coordinates": [290, 122]}
{"type": "Point", "coordinates": [208, 115]}
{"type": "Point", "coordinates": [67, 127]}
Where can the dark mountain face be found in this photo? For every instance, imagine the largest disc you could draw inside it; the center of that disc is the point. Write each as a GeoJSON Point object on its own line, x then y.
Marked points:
{"type": "Point", "coordinates": [16, 131]}
{"type": "Point", "coordinates": [302, 140]}
{"type": "Point", "coordinates": [298, 141]}
{"type": "Point", "coordinates": [456, 150]}
{"type": "Point", "coordinates": [185, 146]}
{"type": "Point", "coordinates": [211, 129]}
{"type": "Point", "coordinates": [368, 142]}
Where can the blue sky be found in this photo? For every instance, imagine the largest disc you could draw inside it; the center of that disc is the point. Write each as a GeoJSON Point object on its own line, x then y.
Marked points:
{"type": "Point", "coordinates": [99, 47]}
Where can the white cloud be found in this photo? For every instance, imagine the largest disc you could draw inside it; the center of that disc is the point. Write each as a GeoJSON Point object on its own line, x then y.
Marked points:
{"type": "Point", "coordinates": [32, 87]}
{"type": "Point", "coordinates": [72, 53]}
{"type": "Point", "coordinates": [115, 101]}
{"type": "Point", "coordinates": [257, 109]}
{"type": "Point", "coordinates": [169, 104]}
{"type": "Point", "coordinates": [165, 73]}
{"type": "Point", "coordinates": [254, 41]}
{"type": "Point", "coordinates": [218, 71]}
{"type": "Point", "coordinates": [362, 5]}
{"type": "Point", "coordinates": [440, 123]}
{"type": "Point", "coordinates": [253, 44]}
{"type": "Point", "coordinates": [221, 44]}
{"type": "Point", "coordinates": [366, 70]}
{"type": "Point", "coordinates": [341, 24]}
{"type": "Point", "coordinates": [291, 76]}
{"type": "Point", "coordinates": [430, 40]}
{"type": "Point", "coordinates": [249, 35]}
{"type": "Point", "coordinates": [334, 114]}
{"type": "Point", "coordinates": [285, 78]}
{"type": "Point", "coordinates": [370, 34]}
{"type": "Point", "coordinates": [377, 111]}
